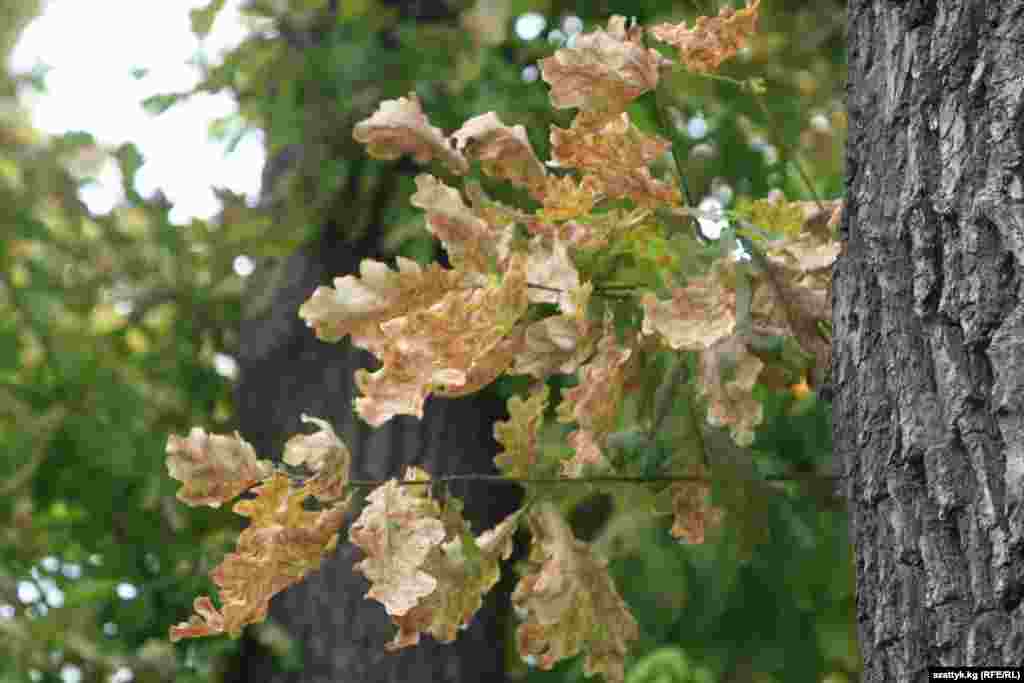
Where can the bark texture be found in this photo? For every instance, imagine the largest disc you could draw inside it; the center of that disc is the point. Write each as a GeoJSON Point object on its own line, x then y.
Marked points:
{"type": "Point", "coordinates": [929, 333]}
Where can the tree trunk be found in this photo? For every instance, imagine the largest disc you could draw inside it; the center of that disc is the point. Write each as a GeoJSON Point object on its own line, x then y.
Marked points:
{"type": "Point", "coordinates": [929, 333]}
{"type": "Point", "coordinates": [286, 371]}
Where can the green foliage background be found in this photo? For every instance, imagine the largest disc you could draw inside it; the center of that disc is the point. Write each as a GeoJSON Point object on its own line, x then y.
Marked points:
{"type": "Point", "coordinates": [88, 396]}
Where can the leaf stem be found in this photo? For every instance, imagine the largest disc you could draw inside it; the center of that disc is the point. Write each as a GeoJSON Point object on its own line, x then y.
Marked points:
{"type": "Point", "coordinates": [611, 290]}
{"type": "Point", "coordinates": [678, 374]}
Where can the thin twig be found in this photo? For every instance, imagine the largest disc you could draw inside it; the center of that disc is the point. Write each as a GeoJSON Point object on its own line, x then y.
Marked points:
{"type": "Point", "coordinates": [607, 291]}
{"type": "Point", "coordinates": [664, 396]}
{"type": "Point", "coordinates": [544, 287]}
{"type": "Point", "coordinates": [145, 303]}
{"type": "Point", "coordinates": [609, 479]}
{"type": "Point", "coordinates": [683, 185]}
{"type": "Point", "coordinates": [792, 156]}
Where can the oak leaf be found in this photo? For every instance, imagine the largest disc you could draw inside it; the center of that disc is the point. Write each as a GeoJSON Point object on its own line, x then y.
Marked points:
{"type": "Point", "coordinates": [400, 127]}
{"type": "Point", "coordinates": [399, 387]}
{"type": "Point", "coordinates": [423, 563]}
{"type": "Point", "coordinates": [693, 513]}
{"type": "Point", "coordinates": [397, 531]}
{"type": "Point", "coordinates": [798, 278]}
{"type": "Point", "coordinates": [325, 455]}
{"type": "Point", "coordinates": [817, 218]}
{"type": "Point", "coordinates": [358, 305]}
{"type": "Point", "coordinates": [641, 187]}
{"type": "Point", "coordinates": [565, 197]}
{"type": "Point", "coordinates": [501, 217]}
{"type": "Point", "coordinates": [587, 453]}
{"type": "Point", "coordinates": [603, 145]}
{"type": "Point", "coordinates": [617, 153]}
{"type": "Point", "coordinates": [603, 70]}
{"type": "Point", "coordinates": [465, 569]}
{"type": "Point", "coordinates": [519, 435]}
{"type": "Point", "coordinates": [712, 40]}
{"type": "Point", "coordinates": [213, 468]}
{"type": "Point", "coordinates": [698, 315]}
{"type": "Point", "coordinates": [837, 215]}
{"type": "Point", "coordinates": [571, 603]}
{"type": "Point", "coordinates": [784, 218]}
{"type": "Point", "coordinates": [557, 343]}
{"type": "Point", "coordinates": [799, 275]}
{"type": "Point", "coordinates": [728, 373]}
{"type": "Point", "coordinates": [472, 244]}
{"type": "Point", "coordinates": [488, 367]}
{"type": "Point", "coordinates": [595, 231]}
{"type": "Point", "coordinates": [440, 345]}
{"type": "Point", "coordinates": [281, 545]}
{"type": "Point", "coordinates": [206, 621]}
{"type": "Point", "coordinates": [594, 404]}
{"type": "Point", "coordinates": [551, 273]}
{"type": "Point", "coordinates": [504, 152]}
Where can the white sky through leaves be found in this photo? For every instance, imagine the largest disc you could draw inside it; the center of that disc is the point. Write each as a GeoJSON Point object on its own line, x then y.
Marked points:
{"type": "Point", "coordinates": [92, 49]}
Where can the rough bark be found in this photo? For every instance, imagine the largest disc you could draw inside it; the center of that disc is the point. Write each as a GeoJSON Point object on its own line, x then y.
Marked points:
{"type": "Point", "coordinates": [929, 333]}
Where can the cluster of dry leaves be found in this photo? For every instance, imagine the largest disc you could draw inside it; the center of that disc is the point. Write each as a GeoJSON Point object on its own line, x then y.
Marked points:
{"type": "Point", "coordinates": [452, 331]}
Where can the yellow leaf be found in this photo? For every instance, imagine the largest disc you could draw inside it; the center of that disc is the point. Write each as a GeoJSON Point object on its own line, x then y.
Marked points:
{"type": "Point", "coordinates": [281, 545]}
{"type": "Point", "coordinates": [104, 319]}
{"type": "Point", "coordinates": [519, 434]}
{"type": "Point", "coordinates": [136, 340]}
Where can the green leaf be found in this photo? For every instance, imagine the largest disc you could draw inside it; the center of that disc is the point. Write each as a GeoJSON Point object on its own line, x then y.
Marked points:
{"type": "Point", "coordinates": [129, 161]}
{"type": "Point", "coordinates": [778, 218]}
{"type": "Point", "coordinates": [88, 592]}
{"type": "Point", "coordinates": [158, 104]}
{"type": "Point", "coordinates": [668, 665]}
{"type": "Point", "coordinates": [202, 18]}
{"type": "Point", "coordinates": [233, 141]}
{"type": "Point", "coordinates": [628, 316]}
{"type": "Point", "coordinates": [471, 553]}
{"type": "Point", "coordinates": [9, 346]}
{"type": "Point", "coordinates": [75, 139]}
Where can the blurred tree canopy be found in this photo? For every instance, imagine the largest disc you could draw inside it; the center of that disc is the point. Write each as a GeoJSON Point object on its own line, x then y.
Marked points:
{"type": "Point", "coordinates": [110, 326]}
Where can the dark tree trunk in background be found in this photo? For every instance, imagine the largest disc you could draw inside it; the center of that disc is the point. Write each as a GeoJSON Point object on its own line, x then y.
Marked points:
{"type": "Point", "coordinates": [929, 333]}
{"type": "Point", "coordinates": [286, 371]}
